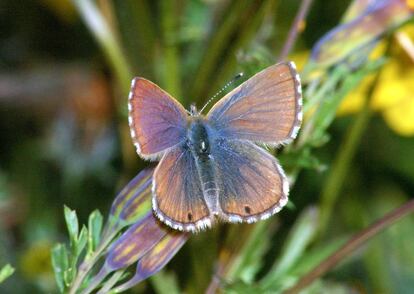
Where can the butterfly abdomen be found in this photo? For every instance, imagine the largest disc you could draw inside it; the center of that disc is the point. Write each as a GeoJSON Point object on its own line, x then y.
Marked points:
{"type": "Point", "coordinates": [199, 141]}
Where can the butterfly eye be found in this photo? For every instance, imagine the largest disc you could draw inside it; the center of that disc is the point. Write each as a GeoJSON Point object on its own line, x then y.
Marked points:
{"type": "Point", "coordinates": [203, 146]}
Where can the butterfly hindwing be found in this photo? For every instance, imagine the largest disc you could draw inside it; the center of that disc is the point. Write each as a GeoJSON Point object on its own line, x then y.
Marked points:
{"type": "Point", "coordinates": [267, 108]}
{"type": "Point", "coordinates": [157, 121]}
{"type": "Point", "coordinates": [177, 192]}
{"type": "Point", "coordinates": [252, 184]}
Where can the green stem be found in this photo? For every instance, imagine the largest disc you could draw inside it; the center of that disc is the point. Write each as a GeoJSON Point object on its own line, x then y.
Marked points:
{"type": "Point", "coordinates": [325, 88]}
{"type": "Point", "coordinates": [99, 27]}
{"type": "Point", "coordinates": [323, 100]}
{"type": "Point", "coordinates": [216, 47]}
{"type": "Point", "coordinates": [248, 30]}
{"type": "Point", "coordinates": [294, 29]}
{"type": "Point", "coordinates": [137, 29]}
{"type": "Point", "coordinates": [87, 265]}
{"type": "Point", "coordinates": [171, 78]}
{"type": "Point", "coordinates": [341, 164]}
{"type": "Point", "coordinates": [109, 284]}
{"type": "Point", "coordinates": [233, 254]}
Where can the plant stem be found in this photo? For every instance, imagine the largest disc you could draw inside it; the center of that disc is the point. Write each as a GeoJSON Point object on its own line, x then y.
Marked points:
{"type": "Point", "coordinates": [111, 282]}
{"type": "Point", "coordinates": [295, 29]}
{"type": "Point", "coordinates": [137, 30]}
{"type": "Point", "coordinates": [217, 46]}
{"type": "Point", "coordinates": [354, 243]}
{"type": "Point", "coordinates": [87, 265]}
{"type": "Point", "coordinates": [232, 254]}
{"type": "Point", "coordinates": [171, 78]}
{"type": "Point", "coordinates": [99, 27]}
{"type": "Point", "coordinates": [341, 164]}
{"type": "Point", "coordinates": [248, 30]}
{"type": "Point", "coordinates": [325, 99]}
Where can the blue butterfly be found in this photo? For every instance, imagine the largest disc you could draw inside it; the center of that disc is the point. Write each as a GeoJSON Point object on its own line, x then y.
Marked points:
{"type": "Point", "coordinates": [210, 167]}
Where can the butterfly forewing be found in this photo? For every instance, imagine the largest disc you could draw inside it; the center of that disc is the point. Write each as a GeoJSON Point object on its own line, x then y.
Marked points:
{"type": "Point", "coordinates": [267, 108]}
{"type": "Point", "coordinates": [157, 121]}
{"type": "Point", "coordinates": [178, 197]}
{"type": "Point", "coordinates": [251, 182]}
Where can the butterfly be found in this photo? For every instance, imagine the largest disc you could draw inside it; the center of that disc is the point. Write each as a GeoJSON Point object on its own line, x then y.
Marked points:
{"type": "Point", "coordinates": [210, 166]}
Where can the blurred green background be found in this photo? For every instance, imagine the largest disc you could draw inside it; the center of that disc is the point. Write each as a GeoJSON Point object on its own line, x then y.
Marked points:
{"type": "Point", "coordinates": [65, 138]}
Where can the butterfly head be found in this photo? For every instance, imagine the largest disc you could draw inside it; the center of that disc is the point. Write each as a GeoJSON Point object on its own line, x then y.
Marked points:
{"type": "Point", "coordinates": [194, 111]}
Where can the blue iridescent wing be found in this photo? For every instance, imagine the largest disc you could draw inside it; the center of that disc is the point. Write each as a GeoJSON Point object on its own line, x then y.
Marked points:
{"type": "Point", "coordinates": [267, 108]}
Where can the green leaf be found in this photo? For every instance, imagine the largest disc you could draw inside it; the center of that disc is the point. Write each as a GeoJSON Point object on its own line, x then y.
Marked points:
{"type": "Point", "coordinates": [306, 263]}
{"type": "Point", "coordinates": [68, 276]}
{"type": "Point", "coordinates": [170, 59]}
{"type": "Point", "coordinates": [5, 272]}
{"type": "Point", "coordinates": [115, 278]}
{"type": "Point", "coordinates": [326, 111]}
{"type": "Point", "coordinates": [240, 287]}
{"type": "Point", "coordinates": [249, 26]}
{"type": "Point", "coordinates": [389, 258]}
{"type": "Point", "coordinates": [72, 225]}
{"type": "Point", "coordinates": [165, 283]}
{"type": "Point", "coordinates": [250, 259]}
{"type": "Point", "coordinates": [95, 223]}
{"type": "Point", "coordinates": [301, 158]}
{"type": "Point", "coordinates": [60, 265]}
{"type": "Point", "coordinates": [322, 286]}
{"type": "Point", "coordinates": [217, 46]}
{"type": "Point", "coordinates": [82, 241]}
{"type": "Point", "coordinates": [302, 233]}
{"type": "Point", "coordinates": [316, 255]}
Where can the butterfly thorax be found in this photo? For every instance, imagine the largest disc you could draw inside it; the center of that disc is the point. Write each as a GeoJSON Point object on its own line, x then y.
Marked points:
{"type": "Point", "coordinates": [198, 138]}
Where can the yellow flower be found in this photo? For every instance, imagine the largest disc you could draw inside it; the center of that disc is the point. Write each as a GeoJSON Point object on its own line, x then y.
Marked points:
{"type": "Point", "coordinates": [63, 9]}
{"type": "Point", "coordinates": [35, 262]}
{"type": "Point", "coordinates": [394, 93]}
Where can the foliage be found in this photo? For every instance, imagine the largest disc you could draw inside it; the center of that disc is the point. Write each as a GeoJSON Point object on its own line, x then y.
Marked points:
{"type": "Point", "coordinates": [348, 171]}
{"type": "Point", "coordinates": [5, 272]}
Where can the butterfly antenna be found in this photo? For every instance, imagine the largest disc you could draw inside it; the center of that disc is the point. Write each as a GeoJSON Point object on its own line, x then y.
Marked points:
{"type": "Point", "coordinates": [239, 75]}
